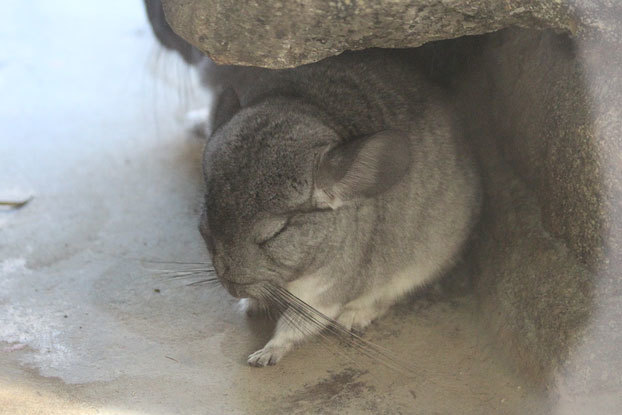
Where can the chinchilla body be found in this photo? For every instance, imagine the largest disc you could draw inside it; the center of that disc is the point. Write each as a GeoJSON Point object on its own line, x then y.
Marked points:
{"type": "Point", "coordinates": [332, 189]}
{"type": "Point", "coordinates": [345, 182]}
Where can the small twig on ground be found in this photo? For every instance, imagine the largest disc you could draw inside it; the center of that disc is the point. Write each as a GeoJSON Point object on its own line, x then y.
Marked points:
{"type": "Point", "coordinates": [15, 204]}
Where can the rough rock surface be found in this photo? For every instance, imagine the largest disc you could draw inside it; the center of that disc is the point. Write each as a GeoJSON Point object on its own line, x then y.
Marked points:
{"type": "Point", "coordinates": [281, 34]}
{"type": "Point", "coordinates": [557, 119]}
{"type": "Point", "coordinates": [543, 113]}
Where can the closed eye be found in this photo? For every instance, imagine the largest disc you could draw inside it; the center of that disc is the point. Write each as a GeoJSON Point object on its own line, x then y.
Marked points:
{"type": "Point", "coordinates": [271, 230]}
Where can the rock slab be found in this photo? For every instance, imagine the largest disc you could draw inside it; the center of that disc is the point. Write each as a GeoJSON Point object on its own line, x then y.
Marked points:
{"type": "Point", "coordinates": [281, 34]}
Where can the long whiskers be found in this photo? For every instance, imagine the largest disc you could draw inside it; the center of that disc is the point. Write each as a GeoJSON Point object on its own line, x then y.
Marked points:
{"type": "Point", "coordinates": [154, 261]}
{"type": "Point", "coordinates": [185, 271]}
{"type": "Point", "coordinates": [311, 321]}
{"type": "Point", "coordinates": [205, 281]}
{"type": "Point", "coordinates": [295, 313]}
{"type": "Point", "coordinates": [298, 323]}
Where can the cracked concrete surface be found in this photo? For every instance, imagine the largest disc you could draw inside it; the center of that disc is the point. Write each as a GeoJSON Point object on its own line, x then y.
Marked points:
{"type": "Point", "coordinates": [90, 114]}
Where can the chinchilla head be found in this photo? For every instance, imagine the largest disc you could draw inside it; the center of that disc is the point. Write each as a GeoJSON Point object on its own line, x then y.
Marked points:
{"type": "Point", "coordinates": [283, 190]}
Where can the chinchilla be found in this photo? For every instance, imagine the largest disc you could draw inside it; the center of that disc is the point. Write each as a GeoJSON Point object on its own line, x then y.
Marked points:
{"type": "Point", "coordinates": [333, 190]}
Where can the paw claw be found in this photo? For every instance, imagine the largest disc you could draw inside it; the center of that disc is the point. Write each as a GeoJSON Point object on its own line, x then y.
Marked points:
{"type": "Point", "coordinates": [356, 320]}
{"type": "Point", "coordinates": [357, 331]}
{"type": "Point", "coordinates": [268, 356]}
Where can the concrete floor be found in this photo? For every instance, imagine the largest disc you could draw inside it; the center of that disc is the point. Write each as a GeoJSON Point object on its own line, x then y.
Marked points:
{"type": "Point", "coordinates": [90, 127]}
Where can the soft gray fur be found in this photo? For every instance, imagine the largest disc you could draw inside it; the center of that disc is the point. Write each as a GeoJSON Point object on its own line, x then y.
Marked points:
{"type": "Point", "coordinates": [345, 182]}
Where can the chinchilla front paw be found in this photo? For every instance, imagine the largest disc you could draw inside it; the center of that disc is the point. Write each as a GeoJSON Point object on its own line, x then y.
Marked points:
{"type": "Point", "coordinates": [267, 356]}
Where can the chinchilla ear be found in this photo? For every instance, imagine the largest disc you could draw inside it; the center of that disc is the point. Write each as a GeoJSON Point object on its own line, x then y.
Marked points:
{"type": "Point", "coordinates": [361, 168]}
{"type": "Point", "coordinates": [227, 104]}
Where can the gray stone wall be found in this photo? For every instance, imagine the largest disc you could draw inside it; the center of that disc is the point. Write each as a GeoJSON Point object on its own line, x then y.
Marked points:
{"type": "Point", "coordinates": [544, 113]}
{"type": "Point", "coordinates": [280, 34]}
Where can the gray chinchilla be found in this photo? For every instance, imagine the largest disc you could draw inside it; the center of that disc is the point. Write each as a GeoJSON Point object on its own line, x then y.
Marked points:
{"type": "Point", "coordinates": [344, 182]}
{"type": "Point", "coordinates": [333, 189]}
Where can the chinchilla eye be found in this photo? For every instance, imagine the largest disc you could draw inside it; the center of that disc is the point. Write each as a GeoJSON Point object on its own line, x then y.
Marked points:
{"type": "Point", "coordinates": [268, 230]}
